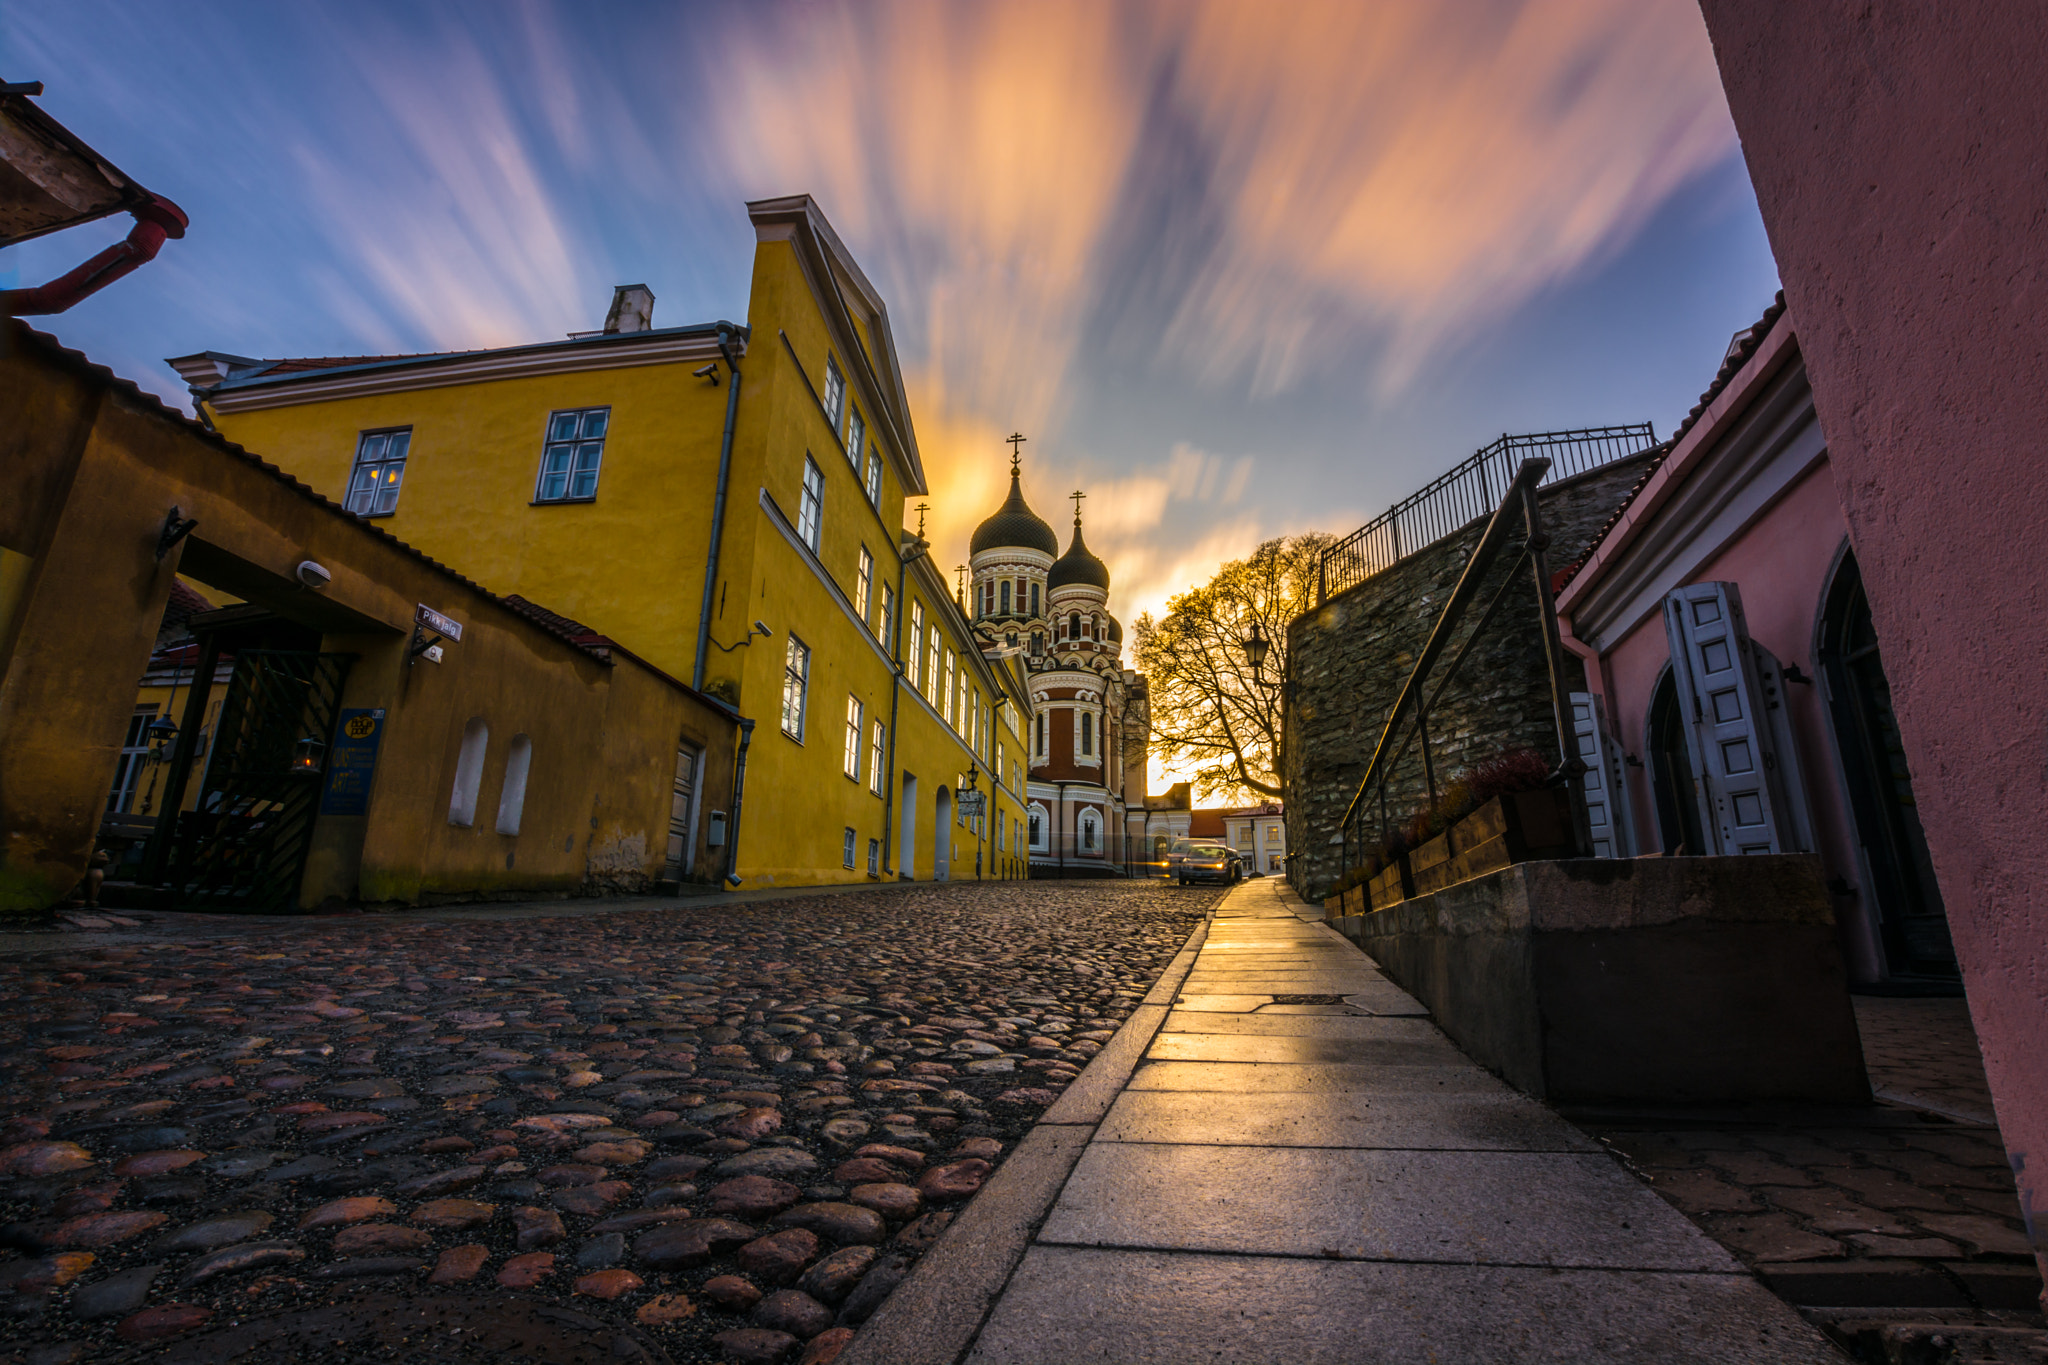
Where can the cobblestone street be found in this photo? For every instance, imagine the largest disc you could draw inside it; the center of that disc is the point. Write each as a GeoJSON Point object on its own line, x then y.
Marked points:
{"type": "Point", "coordinates": [710, 1131]}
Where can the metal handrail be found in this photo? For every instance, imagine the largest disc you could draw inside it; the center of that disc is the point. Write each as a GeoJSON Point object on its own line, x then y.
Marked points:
{"type": "Point", "coordinates": [1408, 721]}
{"type": "Point", "coordinates": [1464, 494]}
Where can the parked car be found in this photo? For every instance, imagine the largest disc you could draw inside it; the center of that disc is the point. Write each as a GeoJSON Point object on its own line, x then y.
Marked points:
{"type": "Point", "coordinates": [1207, 861]}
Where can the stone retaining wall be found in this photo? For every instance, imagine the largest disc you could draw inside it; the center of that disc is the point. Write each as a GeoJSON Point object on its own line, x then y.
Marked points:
{"type": "Point", "coordinates": [1348, 658]}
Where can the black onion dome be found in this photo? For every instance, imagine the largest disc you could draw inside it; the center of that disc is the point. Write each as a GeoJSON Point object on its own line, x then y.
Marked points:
{"type": "Point", "coordinates": [1116, 631]}
{"type": "Point", "coordinates": [1078, 565]}
{"type": "Point", "coordinates": [1015, 525]}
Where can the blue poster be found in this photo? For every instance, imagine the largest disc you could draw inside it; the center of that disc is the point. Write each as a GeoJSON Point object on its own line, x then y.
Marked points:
{"type": "Point", "coordinates": [352, 762]}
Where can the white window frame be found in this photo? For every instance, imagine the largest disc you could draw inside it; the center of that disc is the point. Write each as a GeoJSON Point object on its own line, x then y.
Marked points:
{"type": "Point", "coordinates": [878, 755]}
{"type": "Point", "coordinates": [856, 437]}
{"type": "Point", "coordinates": [873, 482]}
{"type": "Point", "coordinates": [864, 585]}
{"type": "Point", "coordinates": [377, 496]}
{"type": "Point", "coordinates": [1087, 734]}
{"type": "Point", "coordinates": [846, 848]}
{"type": "Point", "coordinates": [796, 686]}
{"type": "Point", "coordinates": [885, 625]}
{"type": "Point", "coordinates": [835, 393]}
{"type": "Point", "coordinates": [1040, 828]}
{"type": "Point", "coordinates": [856, 727]}
{"type": "Point", "coordinates": [915, 663]}
{"type": "Point", "coordinates": [874, 857]}
{"type": "Point", "coordinates": [572, 449]}
{"type": "Point", "coordinates": [810, 512]}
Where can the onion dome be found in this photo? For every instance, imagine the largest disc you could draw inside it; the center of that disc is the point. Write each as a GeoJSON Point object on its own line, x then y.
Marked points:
{"type": "Point", "coordinates": [1116, 631]}
{"type": "Point", "coordinates": [1078, 565]}
{"type": "Point", "coordinates": [1015, 525]}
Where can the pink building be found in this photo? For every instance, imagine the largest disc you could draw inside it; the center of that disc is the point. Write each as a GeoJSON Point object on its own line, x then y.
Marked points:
{"type": "Point", "coordinates": [1896, 153]}
{"type": "Point", "coordinates": [1739, 685]}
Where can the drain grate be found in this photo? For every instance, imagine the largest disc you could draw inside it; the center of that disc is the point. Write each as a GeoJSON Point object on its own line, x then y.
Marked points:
{"type": "Point", "coordinates": [1308, 999]}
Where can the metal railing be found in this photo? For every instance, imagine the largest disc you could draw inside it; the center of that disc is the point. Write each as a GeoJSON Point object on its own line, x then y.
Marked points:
{"type": "Point", "coordinates": [1467, 493]}
{"type": "Point", "coordinates": [1408, 722]}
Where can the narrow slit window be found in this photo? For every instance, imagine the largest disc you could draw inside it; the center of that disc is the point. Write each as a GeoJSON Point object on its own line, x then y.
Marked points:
{"type": "Point", "coordinates": [469, 772]}
{"type": "Point", "coordinates": [512, 801]}
{"type": "Point", "coordinates": [796, 681]}
{"type": "Point", "coordinates": [810, 514]}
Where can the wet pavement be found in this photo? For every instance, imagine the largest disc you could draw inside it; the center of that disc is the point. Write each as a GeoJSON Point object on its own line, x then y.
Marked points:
{"type": "Point", "coordinates": [691, 1131]}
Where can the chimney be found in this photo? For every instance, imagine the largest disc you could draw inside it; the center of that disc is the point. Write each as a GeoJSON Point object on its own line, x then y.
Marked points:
{"type": "Point", "coordinates": [632, 309]}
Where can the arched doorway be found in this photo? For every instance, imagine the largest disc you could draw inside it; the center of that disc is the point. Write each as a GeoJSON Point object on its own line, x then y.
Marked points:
{"type": "Point", "coordinates": [942, 836]}
{"type": "Point", "coordinates": [1671, 774]}
{"type": "Point", "coordinates": [906, 848]}
{"type": "Point", "coordinates": [1912, 921]}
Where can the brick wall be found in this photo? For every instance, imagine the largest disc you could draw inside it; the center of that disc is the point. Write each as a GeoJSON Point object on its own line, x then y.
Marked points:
{"type": "Point", "coordinates": [1348, 659]}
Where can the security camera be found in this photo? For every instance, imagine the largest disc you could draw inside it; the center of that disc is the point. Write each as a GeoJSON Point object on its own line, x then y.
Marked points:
{"type": "Point", "coordinates": [709, 372]}
{"type": "Point", "coordinates": [314, 575]}
{"type": "Point", "coordinates": [761, 628]}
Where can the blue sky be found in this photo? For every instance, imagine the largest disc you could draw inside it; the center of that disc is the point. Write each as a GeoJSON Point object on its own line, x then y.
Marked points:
{"type": "Point", "coordinates": [1236, 277]}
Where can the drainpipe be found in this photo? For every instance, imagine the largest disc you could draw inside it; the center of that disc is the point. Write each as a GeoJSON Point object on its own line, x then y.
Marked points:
{"type": "Point", "coordinates": [739, 791]}
{"type": "Point", "coordinates": [155, 221]}
{"type": "Point", "coordinates": [895, 697]}
{"type": "Point", "coordinates": [732, 405]}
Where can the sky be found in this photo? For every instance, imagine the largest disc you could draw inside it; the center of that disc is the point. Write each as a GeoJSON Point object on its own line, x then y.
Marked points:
{"type": "Point", "coordinates": [1237, 270]}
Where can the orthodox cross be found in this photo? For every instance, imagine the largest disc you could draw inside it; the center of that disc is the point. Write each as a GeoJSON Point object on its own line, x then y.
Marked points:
{"type": "Point", "coordinates": [1077, 495]}
{"type": "Point", "coordinates": [922, 508]}
{"type": "Point", "coordinates": [1015, 438]}
{"type": "Point", "coordinates": [960, 580]}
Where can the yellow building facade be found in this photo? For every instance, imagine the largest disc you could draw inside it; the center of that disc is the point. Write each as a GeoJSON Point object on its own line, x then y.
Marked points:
{"type": "Point", "coordinates": [725, 500]}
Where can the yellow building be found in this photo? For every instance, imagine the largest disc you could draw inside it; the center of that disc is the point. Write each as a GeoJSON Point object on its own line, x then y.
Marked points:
{"type": "Point", "coordinates": [726, 501]}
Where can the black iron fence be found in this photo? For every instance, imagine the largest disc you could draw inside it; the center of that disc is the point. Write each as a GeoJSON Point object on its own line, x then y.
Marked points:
{"type": "Point", "coordinates": [1465, 494]}
{"type": "Point", "coordinates": [1368, 822]}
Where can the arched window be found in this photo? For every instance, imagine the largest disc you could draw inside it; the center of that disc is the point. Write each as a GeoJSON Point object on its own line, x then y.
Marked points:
{"type": "Point", "coordinates": [512, 801]}
{"type": "Point", "coordinates": [469, 772]}
{"type": "Point", "coordinates": [1004, 597]}
{"type": "Point", "coordinates": [1038, 826]}
{"type": "Point", "coordinates": [1087, 732]}
{"type": "Point", "coordinates": [1074, 626]}
{"type": "Point", "coordinates": [1034, 599]}
{"type": "Point", "coordinates": [1091, 832]}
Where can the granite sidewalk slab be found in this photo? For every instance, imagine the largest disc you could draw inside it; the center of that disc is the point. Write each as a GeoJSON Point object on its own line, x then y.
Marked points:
{"type": "Point", "coordinates": [1303, 1168]}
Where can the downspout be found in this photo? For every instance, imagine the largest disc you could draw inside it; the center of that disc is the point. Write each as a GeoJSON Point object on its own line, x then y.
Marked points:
{"type": "Point", "coordinates": [739, 791]}
{"type": "Point", "coordinates": [155, 221]}
{"type": "Point", "coordinates": [732, 405]}
{"type": "Point", "coordinates": [895, 697]}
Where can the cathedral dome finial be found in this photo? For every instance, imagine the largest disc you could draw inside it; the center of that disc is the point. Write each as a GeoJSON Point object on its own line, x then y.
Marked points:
{"type": "Point", "coordinates": [1015, 525]}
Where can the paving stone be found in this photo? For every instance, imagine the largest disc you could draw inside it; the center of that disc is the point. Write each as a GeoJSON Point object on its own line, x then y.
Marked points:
{"type": "Point", "coordinates": [665, 1310]}
{"type": "Point", "coordinates": [846, 1224]}
{"type": "Point", "coordinates": [607, 1284]}
{"type": "Point", "coordinates": [794, 1312]}
{"type": "Point", "coordinates": [214, 1232]}
{"type": "Point", "coordinates": [891, 1199]}
{"type": "Point", "coordinates": [752, 1196]}
{"type": "Point", "coordinates": [104, 1229]}
{"type": "Point", "coordinates": [779, 1257]}
{"type": "Point", "coordinates": [953, 1181]}
{"type": "Point", "coordinates": [756, 1345]}
{"type": "Point", "coordinates": [119, 1293]}
{"type": "Point", "coordinates": [827, 1346]}
{"type": "Point", "coordinates": [164, 1320]}
{"type": "Point", "coordinates": [605, 1249]}
{"type": "Point", "coordinates": [454, 1215]}
{"type": "Point", "coordinates": [681, 1246]}
{"type": "Point", "coordinates": [881, 1280]}
{"type": "Point", "coordinates": [236, 1259]}
{"type": "Point", "coordinates": [1772, 1237]}
{"type": "Point", "coordinates": [526, 1270]}
{"type": "Point", "coordinates": [459, 1265]}
{"type": "Point", "coordinates": [834, 1276]}
{"type": "Point", "coordinates": [732, 1291]}
{"type": "Point", "coordinates": [369, 1267]}
{"type": "Point", "coordinates": [373, 1239]}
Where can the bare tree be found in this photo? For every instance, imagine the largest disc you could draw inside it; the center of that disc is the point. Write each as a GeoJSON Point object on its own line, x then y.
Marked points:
{"type": "Point", "coordinates": [1207, 709]}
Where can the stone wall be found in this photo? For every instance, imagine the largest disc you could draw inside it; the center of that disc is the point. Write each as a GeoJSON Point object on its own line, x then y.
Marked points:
{"type": "Point", "coordinates": [1348, 659]}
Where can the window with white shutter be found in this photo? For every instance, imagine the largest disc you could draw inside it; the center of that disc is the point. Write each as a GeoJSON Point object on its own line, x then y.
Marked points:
{"type": "Point", "coordinates": [1607, 810]}
{"type": "Point", "coordinates": [1723, 706]}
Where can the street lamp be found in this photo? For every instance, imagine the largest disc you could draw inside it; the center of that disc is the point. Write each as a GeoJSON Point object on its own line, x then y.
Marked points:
{"type": "Point", "coordinates": [1255, 650]}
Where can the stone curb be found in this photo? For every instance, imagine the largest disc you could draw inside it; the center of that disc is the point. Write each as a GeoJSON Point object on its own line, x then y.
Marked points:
{"type": "Point", "coordinates": [933, 1316]}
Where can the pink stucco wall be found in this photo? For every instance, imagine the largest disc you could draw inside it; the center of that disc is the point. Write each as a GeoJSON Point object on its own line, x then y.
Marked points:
{"type": "Point", "coordinates": [1896, 150]}
{"type": "Point", "coordinates": [1781, 565]}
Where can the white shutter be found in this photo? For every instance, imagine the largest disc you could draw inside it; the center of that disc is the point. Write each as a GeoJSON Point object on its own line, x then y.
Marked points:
{"type": "Point", "coordinates": [1607, 812]}
{"type": "Point", "coordinates": [1795, 824]}
{"type": "Point", "coordinates": [1723, 705]}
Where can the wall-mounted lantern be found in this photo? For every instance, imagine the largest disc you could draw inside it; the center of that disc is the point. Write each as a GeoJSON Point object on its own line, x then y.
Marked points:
{"type": "Point", "coordinates": [306, 755]}
{"type": "Point", "coordinates": [1255, 651]}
